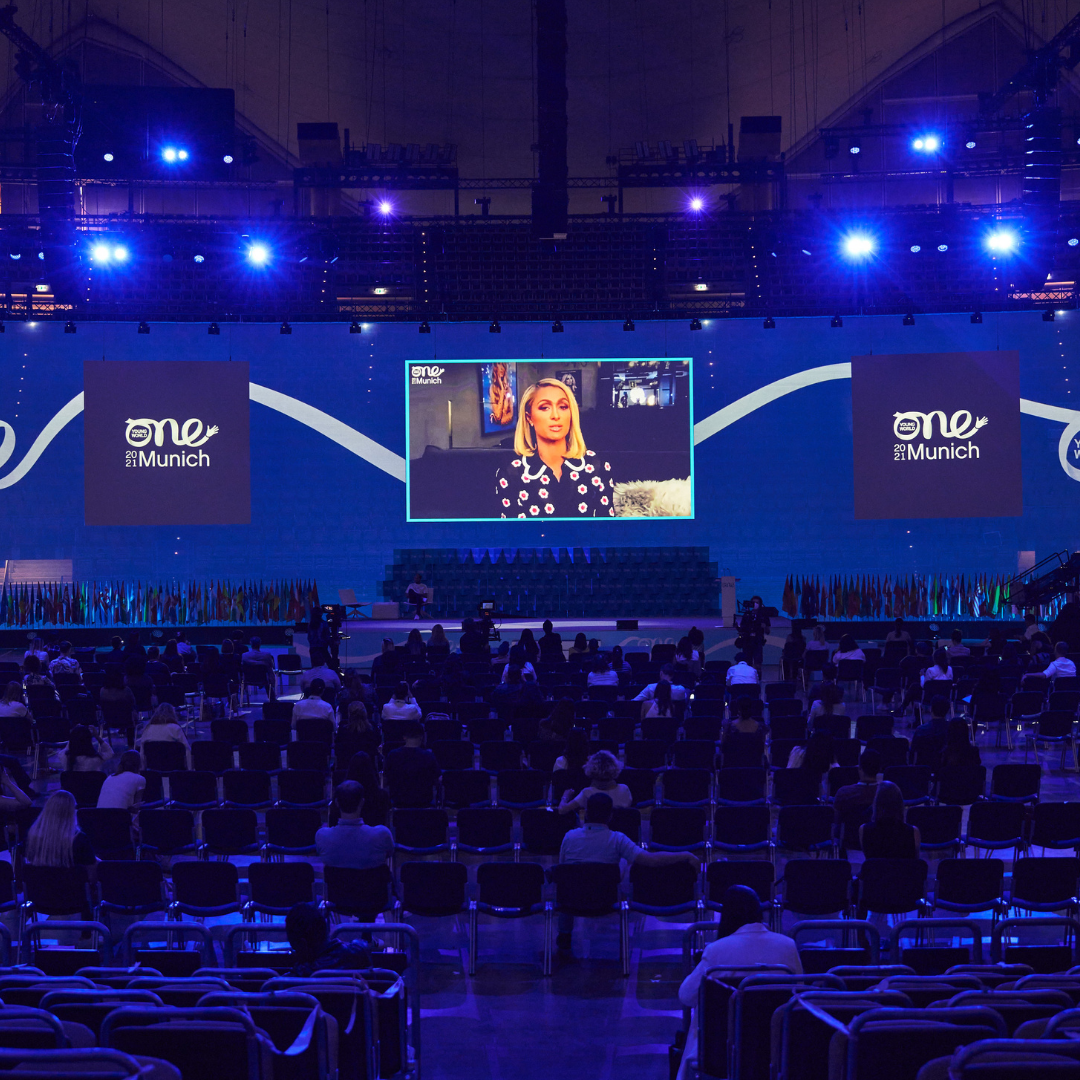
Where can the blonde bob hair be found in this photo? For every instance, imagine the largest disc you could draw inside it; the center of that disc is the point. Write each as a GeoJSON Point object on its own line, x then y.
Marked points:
{"type": "Point", "coordinates": [525, 439]}
{"type": "Point", "coordinates": [603, 767]}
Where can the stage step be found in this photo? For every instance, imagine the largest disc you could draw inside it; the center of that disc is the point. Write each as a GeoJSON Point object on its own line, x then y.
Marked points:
{"type": "Point", "coordinates": [27, 571]}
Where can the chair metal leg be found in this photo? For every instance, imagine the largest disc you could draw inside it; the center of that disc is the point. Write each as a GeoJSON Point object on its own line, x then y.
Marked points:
{"type": "Point", "coordinates": [548, 917]}
{"type": "Point", "coordinates": [473, 919]}
{"type": "Point", "coordinates": [624, 936]}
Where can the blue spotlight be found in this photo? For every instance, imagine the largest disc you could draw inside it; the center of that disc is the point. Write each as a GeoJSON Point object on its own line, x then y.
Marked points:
{"type": "Point", "coordinates": [926, 144]}
{"type": "Point", "coordinates": [169, 154]}
{"type": "Point", "coordinates": [916, 248]}
{"type": "Point", "coordinates": [1002, 242]}
{"type": "Point", "coordinates": [120, 253]}
{"type": "Point", "coordinates": [857, 246]}
{"type": "Point", "coordinates": [228, 159]}
{"type": "Point", "coordinates": [107, 157]}
{"type": "Point", "coordinates": [697, 204]}
{"type": "Point", "coordinates": [200, 258]}
{"type": "Point", "coordinates": [258, 254]}
{"type": "Point", "coordinates": [100, 253]}
{"type": "Point", "coordinates": [943, 247]}
{"type": "Point", "coordinates": [182, 155]}
{"type": "Point", "coordinates": [386, 207]}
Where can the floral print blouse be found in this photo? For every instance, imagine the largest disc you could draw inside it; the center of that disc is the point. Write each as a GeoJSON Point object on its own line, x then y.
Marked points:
{"type": "Point", "coordinates": [527, 488]}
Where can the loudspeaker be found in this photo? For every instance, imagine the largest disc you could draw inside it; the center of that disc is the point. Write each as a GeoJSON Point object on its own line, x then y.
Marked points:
{"type": "Point", "coordinates": [626, 624]}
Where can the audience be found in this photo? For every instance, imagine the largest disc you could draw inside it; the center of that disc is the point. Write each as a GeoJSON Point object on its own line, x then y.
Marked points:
{"type": "Point", "coordinates": [928, 739]}
{"type": "Point", "coordinates": [817, 640]}
{"type": "Point", "coordinates": [898, 635]}
{"type": "Point", "coordinates": [661, 701]}
{"type": "Point", "coordinates": [667, 673]}
{"type": "Point", "coordinates": [959, 750]}
{"type": "Point", "coordinates": [826, 698]}
{"type": "Point", "coordinates": [13, 795]}
{"type": "Point", "coordinates": [124, 789]}
{"type": "Point", "coordinates": [848, 650]}
{"type": "Point", "coordinates": [602, 675]}
{"type": "Point", "coordinates": [156, 668]}
{"type": "Point", "coordinates": [32, 673]}
{"type": "Point", "coordinates": [55, 840]}
{"type": "Point", "coordinates": [350, 842]}
{"type": "Point", "coordinates": [65, 663]}
{"type": "Point", "coordinates": [411, 771]}
{"type": "Point", "coordinates": [618, 663]}
{"type": "Point", "coordinates": [579, 648]}
{"type": "Point", "coordinates": [560, 720]}
{"type": "Point", "coordinates": [84, 752]}
{"type": "Point", "coordinates": [387, 664]}
{"type": "Point", "coordinates": [576, 752]}
{"type": "Point", "coordinates": [853, 802]}
{"type": "Point", "coordinates": [402, 705]}
{"type": "Point", "coordinates": [11, 704]}
{"type": "Point", "coordinates": [164, 726]}
{"type": "Point", "coordinates": [529, 648]}
{"type": "Point", "coordinates": [312, 703]}
{"type": "Point", "coordinates": [956, 646]}
{"type": "Point", "coordinates": [602, 771]}
{"type": "Point", "coordinates": [37, 648]}
{"type": "Point", "coordinates": [741, 673]}
{"type": "Point", "coordinates": [171, 657]}
{"type": "Point", "coordinates": [321, 670]}
{"type": "Point", "coordinates": [256, 655]}
{"type": "Point", "coordinates": [182, 645]}
{"type": "Point", "coordinates": [357, 733]}
{"type": "Point", "coordinates": [550, 645]}
{"type": "Point", "coordinates": [472, 642]}
{"type": "Point", "coordinates": [516, 658]}
{"type": "Point", "coordinates": [116, 692]}
{"type": "Point", "coordinates": [1061, 665]}
{"type": "Point", "coordinates": [887, 835]}
{"type": "Point", "coordinates": [742, 940]}
{"type": "Point", "coordinates": [743, 742]}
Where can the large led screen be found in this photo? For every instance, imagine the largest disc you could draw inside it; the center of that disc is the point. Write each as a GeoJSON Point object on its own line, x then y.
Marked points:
{"type": "Point", "coordinates": [539, 440]}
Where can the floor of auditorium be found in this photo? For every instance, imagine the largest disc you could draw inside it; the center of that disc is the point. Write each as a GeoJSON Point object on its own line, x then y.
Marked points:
{"type": "Point", "coordinates": [509, 1022]}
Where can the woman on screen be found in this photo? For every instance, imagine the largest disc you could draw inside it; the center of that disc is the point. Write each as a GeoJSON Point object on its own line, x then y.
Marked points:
{"type": "Point", "coordinates": [554, 475]}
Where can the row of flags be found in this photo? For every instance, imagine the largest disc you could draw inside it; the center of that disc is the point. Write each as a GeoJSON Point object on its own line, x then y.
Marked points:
{"type": "Point", "coordinates": [916, 596]}
{"type": "Point", "coordinates": [173, 603]}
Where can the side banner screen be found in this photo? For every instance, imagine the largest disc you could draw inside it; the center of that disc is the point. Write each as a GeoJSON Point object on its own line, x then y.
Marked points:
{"type": "Point", "coordinates": [534, 440]}
{"type": "Point", "coordinates": [937, 435]}
{"type": "Point", "coordinates": [166, 443]}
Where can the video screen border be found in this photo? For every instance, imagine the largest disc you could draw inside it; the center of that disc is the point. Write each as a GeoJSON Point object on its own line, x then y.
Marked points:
{"type": "Point", "coordinates": [688, 360]}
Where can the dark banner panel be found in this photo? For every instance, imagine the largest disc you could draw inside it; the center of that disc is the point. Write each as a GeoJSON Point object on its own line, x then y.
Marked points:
{"type": "Point", "coordinates": [166, 443]}
{"type": "Point", "coordinates": [937, 435]}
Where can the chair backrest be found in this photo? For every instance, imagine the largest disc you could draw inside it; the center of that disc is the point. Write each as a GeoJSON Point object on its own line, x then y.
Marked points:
{"type": "Point", "coordinates": [281, 885]}
{"type": "Point", "coordinates": [585, 888]}
{"type": "Point", "coordinates": [130, 884]}
{"type": "Point", "coordinates": [757, 875]}
{"type": "Point", "coordinates": [1013, 781]}
{"type": "Point", "coordinates": [56, 890]}
{"type": "Point", "coordinates": [510, 886]}
{"type": "Point", "coordinates": [205, 884]}
{"type": "Point", "coordinates": [352, 891]}
{"type": "Point", "coordinates": [969, 881]}
{"type": "Point", "coordinates": [892, 886]}
{"type": "Point", "coordinates": [433, 888]}
{"type": "Point", "coordinates": [817, 886]}
{"type": "Point", "coordinates": [1045, 881]}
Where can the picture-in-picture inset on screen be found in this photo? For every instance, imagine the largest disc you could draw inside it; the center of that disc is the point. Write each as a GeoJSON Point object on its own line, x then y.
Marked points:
{"type": "Point", "coordinates": [547, 440]}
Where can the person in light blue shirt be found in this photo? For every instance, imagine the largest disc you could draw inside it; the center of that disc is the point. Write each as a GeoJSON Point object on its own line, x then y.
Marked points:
{"type": "Point", "coordinates": [350, 842]}
{"type": "Point", "coordinates": [596, 842]}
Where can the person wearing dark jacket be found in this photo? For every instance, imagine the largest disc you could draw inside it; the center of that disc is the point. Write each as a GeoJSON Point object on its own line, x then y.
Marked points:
{"type": "Point", "coordinates": [411, 771]}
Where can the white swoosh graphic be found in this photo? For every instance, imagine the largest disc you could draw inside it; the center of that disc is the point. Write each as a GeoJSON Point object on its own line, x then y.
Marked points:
{"type": "Point", "coordinates": [394, 465]}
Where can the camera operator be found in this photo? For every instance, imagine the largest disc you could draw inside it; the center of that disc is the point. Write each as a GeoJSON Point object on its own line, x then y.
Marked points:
{"type": "Point", "coordinates": [753, 626]}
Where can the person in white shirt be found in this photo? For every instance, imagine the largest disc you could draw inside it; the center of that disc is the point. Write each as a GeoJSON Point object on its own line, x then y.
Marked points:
{"type": "Point", "coordinates": [182, 645]}
{"type": "Point", "coordinates": [11, 704]}
{"type": "Point", "coordinates": [65, 663]}
{"type": "Point", "coordinates": [312, 704]}
{"type": "Point", "coordinates": [817, 640]}
{"type": "Point", "coordinates": [602, 675]}
{"type": "Point", "coordinates": [741, 673]}
{"type": "Point", "coordinates": [37, 648]}
{"type": "Point", "coordinates": [402, 705]}
{"type": "Point", "coordinates": [602, 771]}
{"type": "Point", "coordinates": [596, 842]}
{"type": "Point", "coordinates": [321, 671]}
{"type": "Point", "coordinates": [1061, 664]}
{"type": "Point", "coordinates": [124, 789]}
{"type": "Point", "coordinates": [744, 939]}
{"type": "Point", "coordinates": [940, 669]}
{"type": "Point", "coordinates": [678, 693]}
{"type": "Point", "coordinates": [1032, 626]}
{"type": "Point", "coordinates": [848, 649]}
{"type": "Point", "coordinates": [956, 647]}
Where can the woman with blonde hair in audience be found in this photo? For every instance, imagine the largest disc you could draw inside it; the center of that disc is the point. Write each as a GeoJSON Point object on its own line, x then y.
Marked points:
{"type": "Point", "coordinates": [164, 726]}
{"type": "Point", "coordinates": [602, 771]}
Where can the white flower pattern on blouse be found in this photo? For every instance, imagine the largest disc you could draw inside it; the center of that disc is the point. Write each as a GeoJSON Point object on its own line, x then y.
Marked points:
{"type": "Point", "coordinates": [571, 496]}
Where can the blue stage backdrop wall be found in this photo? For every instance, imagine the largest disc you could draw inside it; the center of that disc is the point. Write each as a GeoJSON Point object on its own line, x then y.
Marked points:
{"type": "Point", "coordinates": [773, 465]}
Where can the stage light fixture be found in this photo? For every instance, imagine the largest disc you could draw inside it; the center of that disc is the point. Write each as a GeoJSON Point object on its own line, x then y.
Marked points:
{"type": "Point", "coordinates": [15, 255]}
{"type": "Point", "coordinates": [1048, 315]}
{"type": "Point", "coordinates": [926, 144]}
{"type": "Point", "coordinates": [837, 322]}
{"type": "Point", "coordinates": [200, 258]}
{"type": "Point", "coordinates": [557, 327]}
{"type": "Point", "coordinates": [285, 328]}
{"type": "Point", "coordinates": [69, 327]}
{"type": "Point", "coordinates": [970, 144]}
{"type": "Point", "coordinates": [697, 203]}
{"type": "Point", "coordinates": [355, 327]}
{"type": "Point", "coordinates": [701, 286]}
{"type": "Point", "coordinates": [909, 319]}
{"type": "Point", "coordinates": [494, 328]}
{"type": "Point", "coordinates": [916, 248]}
{"type": "Point", "coordinates": [1073, 241]}
{"type": "Point", "coordinates": [107, 157]}
{"type": "Point", "coordinates": [228, 159]}
{"type": "Point", "coordinates": [858, 246]}
{"type": "Point", "coordinates": [424, 327]}
{"type": "Point", "coordinates": [943, 248]}
{"type": "Point", "coordinates": [120, 253]}
{"type": "Point", "coordinates": [855, 148]}
{"type": "Point", "coordinates": [41, 287]}
{"type": "Point", "coordinates": [213, 329]}
{"type": "Point", "coordinates": [628, 325]}
{"type": "Point", "coordinates": [41, 255]}
{"type": "Point", "coordinates": [386, 207]}
{"type": "Point", "coordinates": [695, 324]}
{"type": "Point", "coordinates": [182, 155]}
{"type": "Point", "coordinates": [1002, 241]}
{"type": "Point", "coordinates": [976, 318]}
{"type": "Point", "coordinates": [100, 253]}
{"type": "Point", "coordinates": [144, 328]}
{"type": "Point", "coordinates": [168, 154]}
{"type": "Point", "coordinates": [258, 254]}
{"type": "Point", "coordinates": [769, 323]}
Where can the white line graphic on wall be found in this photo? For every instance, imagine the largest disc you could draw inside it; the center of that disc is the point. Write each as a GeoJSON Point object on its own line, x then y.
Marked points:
{"type": "Point", "coordinates": [394, 465]}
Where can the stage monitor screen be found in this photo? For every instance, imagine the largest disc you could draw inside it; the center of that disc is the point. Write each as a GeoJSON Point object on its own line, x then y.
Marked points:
{"type": "Point", "coordinates": [538, 440]}
{"type": "Point", "coordinates": [936, 435]}
{"type": "Point", "coordinates": [166, 442]}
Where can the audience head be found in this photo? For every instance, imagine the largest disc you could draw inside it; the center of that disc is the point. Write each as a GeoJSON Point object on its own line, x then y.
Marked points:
{"type": "Point", "coordinates": [898, 623]}
{"type": "Point", "coordinates": [526, 637]}
{"type": "Point", "coordinates": [401, 692]}
{"type": "Point", "coordinates": [594, 645]}
{"type": "Point", "coordinates": [513, 675]}
{"type": "Point", "coordinates": [956, 734]}
{"type": "Point", "coordinates": [315, 688]}
{"type": "Point", "coordinates": [847, 643]}
{"type": "Point", "coordinates": [65, 647]}
{"type": "Point", "coordinates": [819, 633]}
{"type": "Point", "coordinates": [181, 635]}
{"type": "Point", "coordinates": [662, 697]}
{"type": "Point", "coordinates": [1029, 618]}
{"type": "Point", "coordinates": [1061, 648]}
{"type": "Point", "coordinates": [745, 709]}
{"type": "Point", "coordinates": [504, 649]}
{"type": "Point", "coordinates": [923, 648]}
{"type": "Point", "coordinates": [32, 665]}
{"type": "Point", "coordinates": [412, 731]}
{"type": "Point", "coordinates": [52, 836]}
{"type": "Point", "coordinates": [415, 638]}
{"type": "Point", "coordinates": [603, 767]}
{"type": "Point", "coordinates": [580, 642]}
{"type": "Point", "coordinates": [13, 692]}
{"type": "Point", "coordinates": [349, 797]}
{"type": "Point", "coordinates": [358, 716]}
{"type": "Point", "coordinates": [600, 666]}
{"type": "Point", "coordinates": [957, 637]}
{"type": "Point", "coordinates": [870, 764]}
{"type": "Point", "coordinates": [941, 659]}
{"type": "Point", "coordinates": [667, 673]}
{"type": "Point", "coordinates": [939, 707]}
{"type": "Point", "coordinates": [888, 802]}
{"type": "Point", "coordinates": [828, 672]}
{"type": "Point", "coordinates": [130, 761]}
{"type": "Point", "coordinates": [117, 642]}
{"type": "Point", "coordinates": [616, 655]}
{"type": "Point", "coordinates": [152, 653]}
{"type": "Point", "coordinates": [598, 808]}
{"type": "Point", "coordinates": [740, 658]}
{"type": "Point", "coordinates": [387, 645]}
{"type": "Point", "coordinates": [306, 929]}
{"type": "Point", "coordinates": [227, 647]}
{"type": "Point", "coordinates": [548, 626]}
{"type": "Point", "coordinates": [256, 643]}
{"type": "Point", "coordinates": [438, 635]}
{"type": "Point", "coordinates": [468, 626]}
{"type": "Point", "coordinates": [739, 907]}
{"type": "Point", "coordinates": [80, 744]}
{"type": "Point", "coordinates": [697, 638]}
{"type": "Point", "coordinates": [517, 655]}
{"type": "Point", "coordinates": [165, 714]}
{"type": "Point", "coordinates": [684, 648]}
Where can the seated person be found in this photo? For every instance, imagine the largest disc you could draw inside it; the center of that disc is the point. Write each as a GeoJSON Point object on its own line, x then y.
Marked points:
{"type": "Point", "coordinates": [602, 771]}
{"type": "Point", "coordinates": [602, 675]}
{"type": "Point", "coordinates": [667, 674]}
{"type": "Point", "coordinates": [84, 752]}
{"type": "Point", "coordinates": [256, 655]}
{"type": "Point", "coordinates": [124, 789]}
{"type": "Point", "coordinates": [155, 665]}
{"type": "Point", "coordinates": [402, 705]}
{"type": "Point", "coordinates": [309, 937]}
{"type": "Point", "coordinates": [956, 646]}
{"type": "Point", "coordinates": [848, 649]}
{"type": "Point", "coordinates": [1061, 664]}
{"type": "Point", "coordinates": [320, 669]}
{"type": "Point", "coordinates": [411, 771]}
{"type": "Point", "coordinates": [350, 842]}
{"type": "Point", "coordinates": [313, 703]}
{"type": "Point", "coordinates": [887, 835]}
{"type": "Point", "coordinates": [742, 673]}
{"type": "Point", "coordinates": [551, 646]}
{"type": "Point", "coordinates": [928, 739]}
{"type": "Point", "coordinates": [65, 663]}
{"type": "Point", "coordinates": [417, 594]}
{"type": "Point", "coordinates": [853, 802]}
